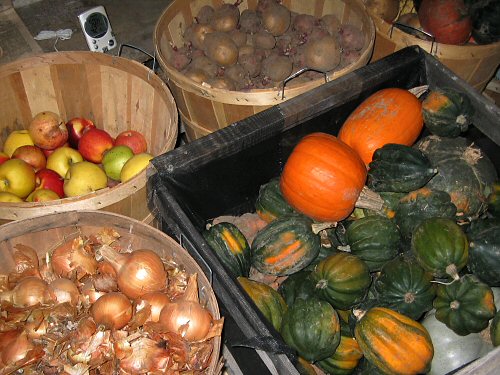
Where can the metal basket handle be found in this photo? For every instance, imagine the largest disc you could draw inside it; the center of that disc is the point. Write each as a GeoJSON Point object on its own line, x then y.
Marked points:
{"type": "Point", "coordinates": [413, 31]}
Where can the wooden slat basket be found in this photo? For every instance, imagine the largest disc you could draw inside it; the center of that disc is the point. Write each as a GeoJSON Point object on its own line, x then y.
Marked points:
{"type": "Point", "coordinates": [476, 64]}
{"type": "Point", "coordinates": [204, 109]}
{"type": "Point", "coordinates": [116, 93]}
{"type": "Point", "coordinates": [44, 233]}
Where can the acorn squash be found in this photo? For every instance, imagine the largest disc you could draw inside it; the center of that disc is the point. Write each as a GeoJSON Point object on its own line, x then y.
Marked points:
{"type": "Point", "coordinates": [399, 168]}
{"type": "Point", "coordinates": [495, 330]}
{"type": "Point", "coordinates": [484, 250]}
{"type": "Point", "coordinates": [312, 328]}
{"type": "Point", "coordinates": [342, 279]}
{"type": "Point", "coordinates": [465, 306]}
{"type": "Point", "coordinates": [285, 246]}
{"type": "Point", "coordinates": [440, 247]}
{"type": "Point", "coordinates": [297, 285]}
{"type": "Point", "coordinates": [270, 203]}
{"type": "Point", "coordinates": [344, 360]}
{"type": "Point", "coordinates": [231, 247]}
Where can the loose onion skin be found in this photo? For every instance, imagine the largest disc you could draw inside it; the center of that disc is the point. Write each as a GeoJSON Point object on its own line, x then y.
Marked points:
{"type": "Point", "coordinates": [139, 272]}
{"type": "Point", "coordinates": [71, 257]}
{"type": "Point", "coordinates": [112, 310]}
{"type": "Point", "coordinates": [186, 318]}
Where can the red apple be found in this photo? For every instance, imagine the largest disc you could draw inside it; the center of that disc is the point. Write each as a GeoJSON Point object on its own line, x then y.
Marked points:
{"type": "Point", "coordinates": [3, 157]}
{"type": "Point", "coordinates": [76, 127]}
{"type": "Point", "coordinates": [49, 179]}
{"type": "Point", "coordinates": [33, 155]}
{"type": "Point", "coordinates": [133, 139]}
{"type": "Point", "coordinates": [48, 152]}
{"type": "Point", "coordinates": [94, 143]}
{"type": "Point", "coordinates": [48, 131]}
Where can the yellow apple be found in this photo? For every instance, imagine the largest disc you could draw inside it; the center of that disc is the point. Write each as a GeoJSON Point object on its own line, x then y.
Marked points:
{"type": "Point", "coordinates": [42, 195]}
{"type": "Point", "coordinates": [9, 197]}
{"type": "Point", "coordinates": [84, 177]}
{"type": "Point", "coordinates": [63, 158]}
{"type": "Point", "coordinates": [135, 165]}
{"type": "Point", "coordinates": [17, 177]}
{"type": "Point", "coordinates": [15, 139]}
{"type": "Point", "coordinates": [114, 159]}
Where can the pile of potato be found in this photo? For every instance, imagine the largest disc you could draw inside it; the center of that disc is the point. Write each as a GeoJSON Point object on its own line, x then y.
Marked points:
{"type": "Point", "coordinates": [257, 49]}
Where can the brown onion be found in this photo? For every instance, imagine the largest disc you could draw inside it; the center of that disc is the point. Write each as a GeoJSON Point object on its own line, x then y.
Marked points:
{"type": "Point", "coordinates": [72, 257]}
{"type": "Point", "coordinates": [139, 272]}
{"type": "Point", "coordinates": [89, 291]}
{"type": "Point", "coordinates": [17, 349]}
{"type": "Point", "coordinates": [186, 318]}
{"type": "Point", "coordinates": [28, 292]}
{"type": "Point", "coordinates": [157, 301]}
{"type": "Point", "coordinates": [112, 310]}
{"type": "Point", "coordinates": [64, 290]}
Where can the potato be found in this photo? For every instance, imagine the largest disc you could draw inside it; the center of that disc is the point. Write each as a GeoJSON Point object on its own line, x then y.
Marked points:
{"type": "Point", "coordinates": [205, 15]}
{"type": "Point", "coordinates": [195, 34]}
{"type": "Point", "coordinates": [196, 74]}
{"type": "Point", "coordinates": [239, 37]}
{"type": "Point", "coordinates": [322, 54]}
{"type": "Point", "coordinates": [263, 39]}
{"type": "Point", "coordinates": [205, 64]}
{"type": "Point", "coordinates": [222, 83]}
{"type": "Point", "coordinates": [351, 38]}
{"type": "Point", "coordinates": [250, 21]}
{"type": "Point", "coordinates": [179, 58]}
{"type": "Point", "coordinates": [276, 19]}
{"type": "Point", "coordinates": [386, 9]}
{"type": "Point", "coordinates": [220, 48]}
{"type": "Point", "coordinates": [276, 67]}
{"type": "Point", "coordinates": [238, 75]}
{"type": "Point", "coordinates": [304, 23]}
{"type": "Point", "coordinates": [330, 23]}
{"type": "Point", "coordinates": [348, 57]}
{"type": "Point", "coordinates": [251, 63]}
{"type": "Point", "coordinates": [225, 17]}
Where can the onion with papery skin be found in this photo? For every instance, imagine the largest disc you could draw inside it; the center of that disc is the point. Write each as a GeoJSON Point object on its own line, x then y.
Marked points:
{"type": "Point", "coordinates": [89, 291]}
{"type": "Point", "coordinates": [17, 349]}
{"type": "Point", "coordinates": [71, 257]}
{"type": "Point", "coordinates": [146, 357]}
{"type": "Point", "coordinates": [112, 310]}
{"type": "Point", "coordinates": [187, 318]}
{"type": "Point", "coordinates": [157, 301]}
{"type": "Point", "coordinates": [28, 292]}
{"type": "Point", "coordinates": [139, 272]}
{"type": "Point", "coordinates": [64, 290]}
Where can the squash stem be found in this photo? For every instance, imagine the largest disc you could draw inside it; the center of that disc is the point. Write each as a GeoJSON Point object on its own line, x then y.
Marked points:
{"type": "Point", "coordinates": [370, 200]}
{"type": "Point", "coordinates": [318, 227]}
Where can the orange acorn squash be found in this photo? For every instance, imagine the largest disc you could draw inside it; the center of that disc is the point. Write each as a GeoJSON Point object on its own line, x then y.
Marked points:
{"type": "Point", "coordinates": [391, 115]}
{"type": "Point", "coordinates": [323, 178]}
{"type": "Point", "coordinates": [393, 342]}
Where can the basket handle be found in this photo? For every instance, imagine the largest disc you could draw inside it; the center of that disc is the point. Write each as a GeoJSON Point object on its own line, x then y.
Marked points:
{"type": "Point", "coordinates": [413, 31]}
{"type": "Point", "coordinates": [296, 74]}
{"type": "Point", "coordinates": [138, 49]}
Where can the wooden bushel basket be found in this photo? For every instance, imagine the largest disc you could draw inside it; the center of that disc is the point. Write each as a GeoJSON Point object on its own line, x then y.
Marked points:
{"type": "Point", "coordinates": [475, 64]}
{"type": "Point", "coordinates": [116, 93]}
{"type": "Point", "coordinates": [204, 109]}
{"type": "Point", "coordinates": [44, 233]}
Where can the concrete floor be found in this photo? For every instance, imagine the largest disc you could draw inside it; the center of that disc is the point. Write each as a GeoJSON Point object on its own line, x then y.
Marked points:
{"type": "Point", "coordinates": [132, 21]}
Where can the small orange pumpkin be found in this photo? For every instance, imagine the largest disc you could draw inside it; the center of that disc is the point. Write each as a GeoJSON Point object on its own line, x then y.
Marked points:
{"type": "Point", "coordinates": [390, 115]}
{"type": "Point", "coordinates": [323, 178]}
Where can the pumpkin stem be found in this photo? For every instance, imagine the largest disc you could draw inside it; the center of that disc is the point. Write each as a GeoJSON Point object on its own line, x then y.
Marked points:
{"type": "Point", "coordinates": [452, 271]}
{"type": "Point", "coordinates": [472, 155]}
{"type": "Point", "coordinates": [345, 248]}
{"type": "Point", "coordinates": [370, 200]}
{"type": "Point", "coordinates": [325, 241]}
{"type": "Point", "coordinates": [322, 284]}
{"type": "Point", "coordinates": [409, 297]}
{"type": "Point", "coordinates": [419, 90]}
{"type": "Point", "coordinates": [455, 305]}
{"type": "Point", "coordinates": [318, 227]}
{"type": "Point", "coordinates": [358, 313]}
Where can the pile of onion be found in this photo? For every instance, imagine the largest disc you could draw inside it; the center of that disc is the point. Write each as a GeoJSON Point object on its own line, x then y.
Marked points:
{"type": "Point", "coordinates": [90, 306]}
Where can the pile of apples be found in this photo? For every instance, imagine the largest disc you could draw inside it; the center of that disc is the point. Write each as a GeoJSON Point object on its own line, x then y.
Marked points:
{"type": "Point", "coordinates": [54, 159]}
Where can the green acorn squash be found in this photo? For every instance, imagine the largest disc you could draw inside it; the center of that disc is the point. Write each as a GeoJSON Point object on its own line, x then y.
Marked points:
{"type": "Point", "coordinates": [342, 279]}
{"type": "Point", "coordinates": [374, 239]}
{"type": "Point", "coordinates": [495, 330]}
{"type": "Point", "coordinates": [404, 286]}
{"type": "Point", "coordinates": [231, 247]}
{"type": "Point", "coordinates": [399, 168]}
{"type": "Point", "coordinates": [440, 247]}
{"type": "Point", "coordinates": [464, 171]}
{"type": "Point", "coordinates": [420, 204]}
{"type": "Point", "coordinates": [285, 246]}
{"type": "Point", "coordinates": [270, 203]}
{"type": "Point", "coordinates": [312, 328]}
{"type": "Point", "coordinates": [465, 306]}
{"type": "Point", "coordinates": [393, 342]}
{"type": "Point", "coordinates": [447, 113]}
{"type": "Point", "coordinates": [268, 301]}
{"type": "Point", "coordinates": [344, 360]}
{"type": "Point", "coordinates": [297, 285]}
{"type": "Point", "coordinates": [484, 250]}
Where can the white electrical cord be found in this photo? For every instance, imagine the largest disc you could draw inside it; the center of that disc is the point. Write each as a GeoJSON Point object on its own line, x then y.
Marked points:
{"type": "Point", "coordinates": [59, 34]}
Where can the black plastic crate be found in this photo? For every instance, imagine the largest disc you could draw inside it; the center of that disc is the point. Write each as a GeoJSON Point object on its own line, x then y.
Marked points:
{"type": "Point", "coordinates": [220, 174]}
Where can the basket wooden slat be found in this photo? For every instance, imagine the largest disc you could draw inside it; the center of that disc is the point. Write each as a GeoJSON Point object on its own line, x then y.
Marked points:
{"type": "Point", "coordinates": [475, 64]}
{"type": "Point", "coordinates": [44, 233]}
{"type": "Point", "coordinates": [205, 109]}
{"type": "Point", "coordinates": [116, 93]}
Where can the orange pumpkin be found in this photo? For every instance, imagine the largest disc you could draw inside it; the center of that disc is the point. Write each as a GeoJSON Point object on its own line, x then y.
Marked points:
{"type": "Point", "coordinates": [323, 178]}
{"type": "Point", "coordinates": [390, 115]}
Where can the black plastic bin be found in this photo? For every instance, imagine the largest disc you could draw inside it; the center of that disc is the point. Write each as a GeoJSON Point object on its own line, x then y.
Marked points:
{"type": "Point", "coordinates": [220, 174]}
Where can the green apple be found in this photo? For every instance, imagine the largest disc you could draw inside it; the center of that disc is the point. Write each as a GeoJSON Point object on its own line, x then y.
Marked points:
{"type": "Point", "coordinates": [9, 197]}
{"type": "Point", "coordinates": [63, 158]}
{"type": "Point", "coordinates": [135, 165]}
{"type": "Point", "coordinates": [17, 177]}
{"type": "Point", "coordinates": [114, 159]}
{"type": "Point", "coordinates": [15, 139]}
{"type": "Point", "coordinates": [42, 195]}
{"type": "Point", "coordinates": [84, 177]}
